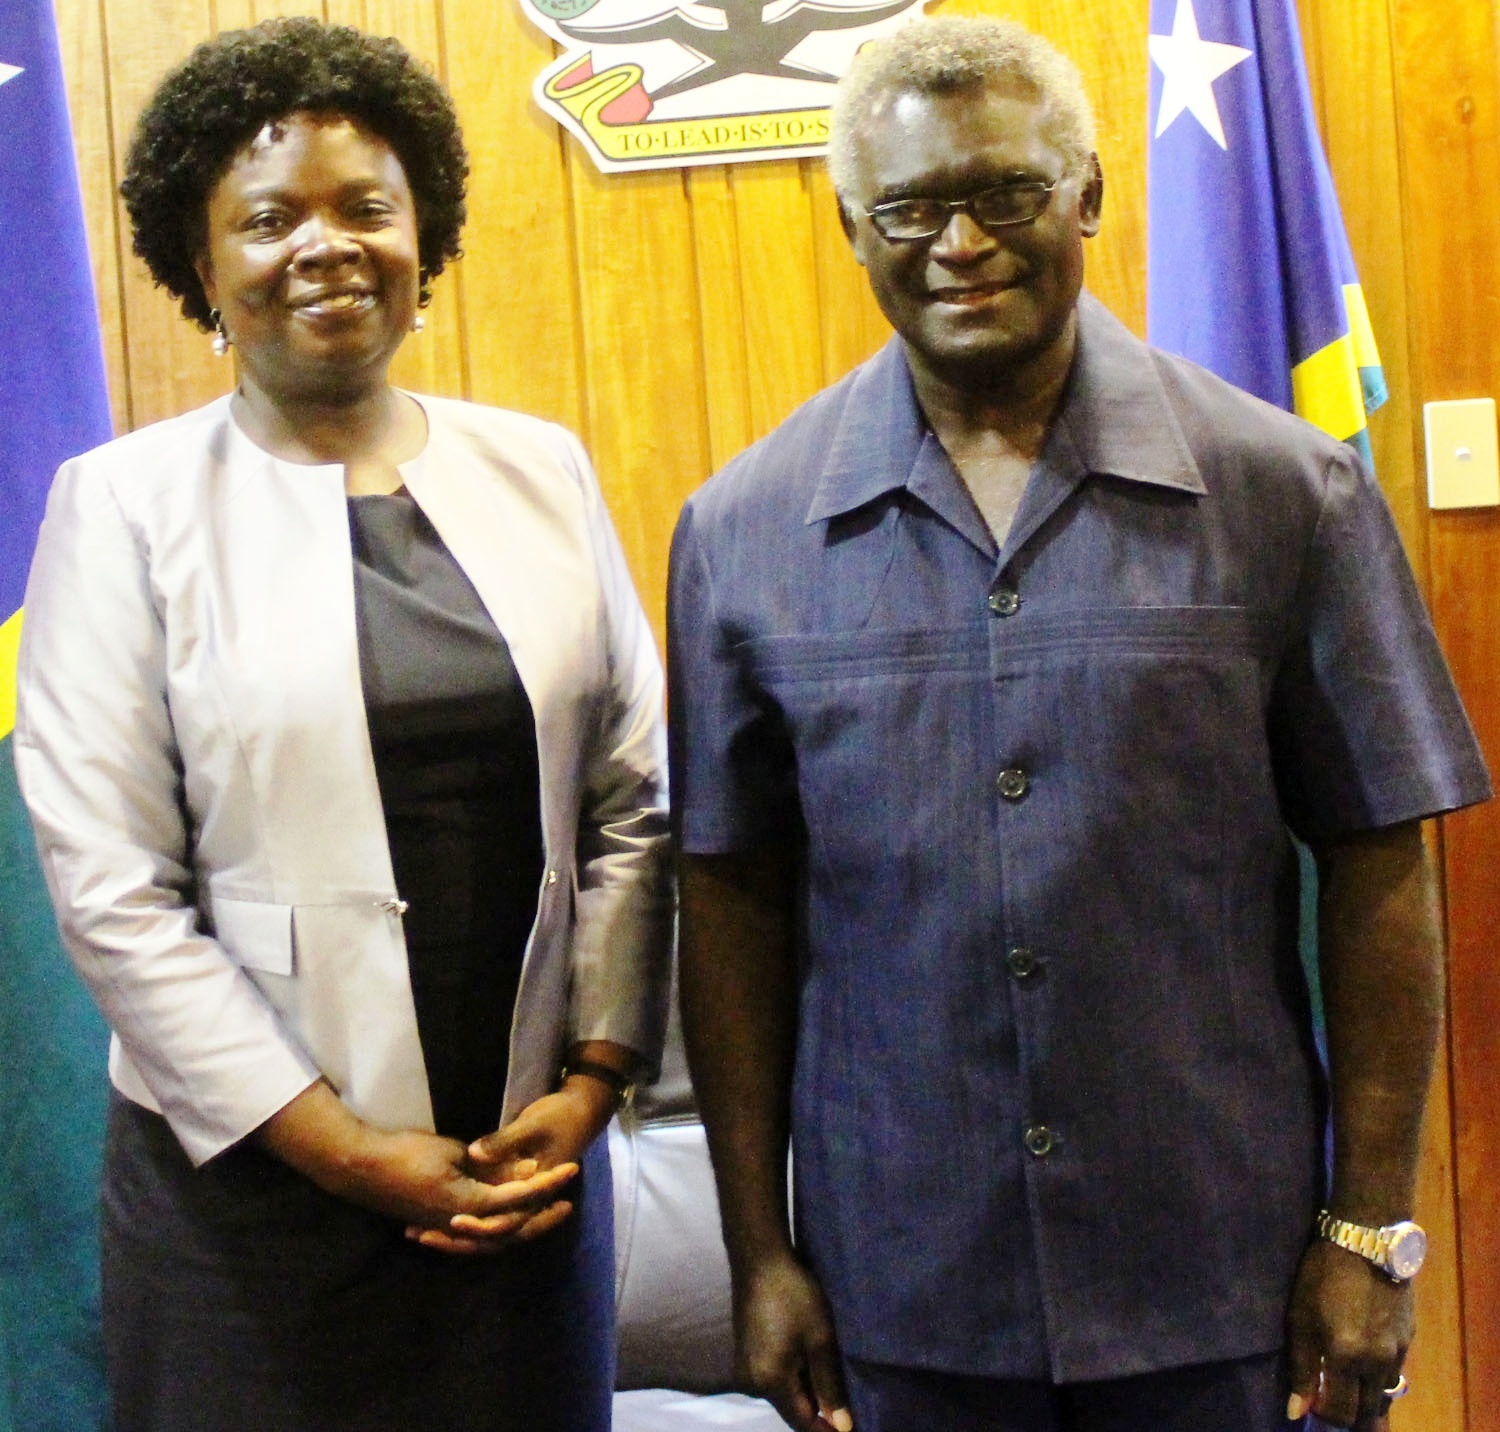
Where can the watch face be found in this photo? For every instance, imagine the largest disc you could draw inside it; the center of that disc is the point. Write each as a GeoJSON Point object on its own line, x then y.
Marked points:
{"type": "Point", "coordinates": [1408, 1247]}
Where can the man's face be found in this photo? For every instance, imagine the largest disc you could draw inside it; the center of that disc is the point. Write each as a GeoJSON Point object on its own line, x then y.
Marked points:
{"type": "Point", "coordinates": [973, 306]}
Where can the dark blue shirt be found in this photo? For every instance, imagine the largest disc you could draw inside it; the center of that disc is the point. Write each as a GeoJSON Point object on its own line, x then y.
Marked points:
{"type": "Point", "coordinates": [1057, 1107]}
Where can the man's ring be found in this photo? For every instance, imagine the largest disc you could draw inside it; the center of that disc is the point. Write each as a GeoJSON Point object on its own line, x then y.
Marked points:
{"type": "Point", "coordinates": [1401, 1388]}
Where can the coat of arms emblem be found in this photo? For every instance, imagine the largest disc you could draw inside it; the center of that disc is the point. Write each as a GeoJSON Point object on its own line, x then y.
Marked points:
{"type": "Point", "coordinates": [648, 84]}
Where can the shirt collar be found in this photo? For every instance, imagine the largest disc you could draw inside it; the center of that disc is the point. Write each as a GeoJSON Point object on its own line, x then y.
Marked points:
{"type": "Point", "coordinates": [1115, 420]}
{"type": "Point", "coordinates": [880, 435]}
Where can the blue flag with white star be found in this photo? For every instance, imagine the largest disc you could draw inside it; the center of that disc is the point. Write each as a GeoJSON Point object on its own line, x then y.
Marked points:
{"type": "Point", "coordinates": [1250, 272]}
{"type": "Point", "coordinates": [1249, 269]}
{"type": "Point", "coordinates": [53, 404]}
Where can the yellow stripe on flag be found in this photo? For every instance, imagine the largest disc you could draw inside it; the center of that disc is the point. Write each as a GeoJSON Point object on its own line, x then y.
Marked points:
{"type": "Point", "coordinates": [10, 646]}
{"type": "Point", "coordinates": [1327, 392]}
{"type": "Point", "coordinates": [1366, 354]}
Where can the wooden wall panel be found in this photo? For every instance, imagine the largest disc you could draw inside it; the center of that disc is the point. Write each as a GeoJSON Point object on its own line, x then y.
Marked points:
{"type": "Point", "coordinates": [673, 317]}
{"type": "Point", "coordinates": [643, 357]}
{"type": "Point", "coordinates": [721, 307]}
{"type": "Point", "coordinates": [519, 282]}
{"type": "Point", "coordinates": [168, 366]}
{"type": "Point", "coordinates": [1448, 98]}
{"type": "Point", "coordinates": [778, 278]}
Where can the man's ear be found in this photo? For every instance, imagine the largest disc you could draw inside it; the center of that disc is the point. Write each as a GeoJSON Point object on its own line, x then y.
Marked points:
{"type": "Point", "coordinates": [851, 232]}
{"type": "Point", "coordinates": [846, 219]}
{"type": "Point", "coordinates": [1091, 199]}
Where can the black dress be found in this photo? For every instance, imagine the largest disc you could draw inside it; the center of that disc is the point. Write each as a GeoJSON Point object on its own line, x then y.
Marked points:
{"type": "Point", "coordinates": [239, 1296]}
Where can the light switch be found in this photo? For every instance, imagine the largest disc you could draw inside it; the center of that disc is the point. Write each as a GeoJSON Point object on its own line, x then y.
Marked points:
{"type": "Point", "coordinates": [1463, 463]}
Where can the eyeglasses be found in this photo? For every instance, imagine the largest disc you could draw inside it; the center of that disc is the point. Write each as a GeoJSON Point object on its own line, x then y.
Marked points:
{"type": "Point", "coordinates": [905, 220]}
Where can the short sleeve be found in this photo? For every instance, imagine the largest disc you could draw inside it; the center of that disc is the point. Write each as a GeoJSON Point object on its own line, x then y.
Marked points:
{"type": "Point", "coordinates": [1366, 726]}
{"type": "Point", "coordinates": [733, 774]}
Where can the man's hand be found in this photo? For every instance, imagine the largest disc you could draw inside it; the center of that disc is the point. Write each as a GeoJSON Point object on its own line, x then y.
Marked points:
{"type": "Point", "coordinates": [1348, 1329]}
{"type": "Point", "coordinates": [739, 1017]}
{"type": "Point", "coordinates": [785, 1349]}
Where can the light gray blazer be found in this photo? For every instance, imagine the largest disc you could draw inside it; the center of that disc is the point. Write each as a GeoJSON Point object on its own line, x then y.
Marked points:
{"type": "Point", "coordinates": [191, 741]}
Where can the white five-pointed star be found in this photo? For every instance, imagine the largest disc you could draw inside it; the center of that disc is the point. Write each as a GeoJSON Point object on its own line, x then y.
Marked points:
{"type": "Point", "coordinates": [8, 72]}
{"type": "Point", "coordinates": [1189, 66]}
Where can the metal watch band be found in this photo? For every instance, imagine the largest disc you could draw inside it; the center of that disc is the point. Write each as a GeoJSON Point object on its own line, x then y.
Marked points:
{"type": "Point", "coordinates": [1356, 1237]}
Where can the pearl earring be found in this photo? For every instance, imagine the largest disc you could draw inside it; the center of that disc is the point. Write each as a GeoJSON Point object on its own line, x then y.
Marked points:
{"type": "Point", "coordinates": [418, 323]}
{"type": "Point", "coordinates": [221, 338]}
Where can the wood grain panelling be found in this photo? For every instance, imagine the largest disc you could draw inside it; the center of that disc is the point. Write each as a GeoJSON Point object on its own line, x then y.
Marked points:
{"type": "Point", "coordinates": [673, 317]}
{"type": "Point", "coordinates": [721, 313]}
{"type": "Point", "coordinates": [643, 355]}
{"type": "Point", "coordinates": [168, 366]}
{"type": "Point", "coordinates": [1448, 98]}
{"type": "Point", "coordinates": [520, 286]}
{"type": "Point", "coordinates": [779, 282]}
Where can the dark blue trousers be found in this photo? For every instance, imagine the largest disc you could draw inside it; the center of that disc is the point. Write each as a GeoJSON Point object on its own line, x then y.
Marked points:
{"type": "Point", "coordinates": [1247, 1395]}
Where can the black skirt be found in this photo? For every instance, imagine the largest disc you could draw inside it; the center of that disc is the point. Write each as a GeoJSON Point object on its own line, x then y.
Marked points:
{"type": "Point", "coordinates": [239, 1297]}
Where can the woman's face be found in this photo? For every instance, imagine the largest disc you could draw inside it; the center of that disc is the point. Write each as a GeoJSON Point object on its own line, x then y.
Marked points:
{"type": "Point", "coordinates": [311, 257]}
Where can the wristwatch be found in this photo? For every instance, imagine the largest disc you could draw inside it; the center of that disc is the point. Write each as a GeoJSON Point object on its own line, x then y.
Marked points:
{"type": "Point", "coordinates": [624, 1088]}
{"type": "Point", "coordinates": [1397, 1249]}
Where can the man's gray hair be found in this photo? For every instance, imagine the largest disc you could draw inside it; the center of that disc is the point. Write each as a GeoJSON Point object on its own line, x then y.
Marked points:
{"type": "Point", "coordinates": [955, 52]}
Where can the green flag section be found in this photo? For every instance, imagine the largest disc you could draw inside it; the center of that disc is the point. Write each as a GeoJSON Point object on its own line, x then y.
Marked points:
{"type": "Point", "coordinates": [52, 1043]}
{"type": "Point", "coordinates": [52, 1092]}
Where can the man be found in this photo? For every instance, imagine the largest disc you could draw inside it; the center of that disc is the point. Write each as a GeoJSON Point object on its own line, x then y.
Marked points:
{"type": "Point", "coordinates": [999, 674]}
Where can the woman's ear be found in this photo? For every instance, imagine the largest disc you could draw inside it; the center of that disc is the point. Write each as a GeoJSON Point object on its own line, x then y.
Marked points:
{"type": "Point", "coordinates": [205, 271]}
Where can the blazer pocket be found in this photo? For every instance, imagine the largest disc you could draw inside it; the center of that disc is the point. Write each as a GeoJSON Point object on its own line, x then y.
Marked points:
{"type": "Point", "coordinates": [258, 933]}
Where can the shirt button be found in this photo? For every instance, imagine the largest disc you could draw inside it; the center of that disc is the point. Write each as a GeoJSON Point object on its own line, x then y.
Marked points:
{"type": "Point", "coordinates": [1021, 962]}
{"type": "Point", "coordinates": [1005, 602]}
{"type": "Point", "coordinates": [1040, 1141]}
{"type": "Point", "coordinates": [1013, 783]}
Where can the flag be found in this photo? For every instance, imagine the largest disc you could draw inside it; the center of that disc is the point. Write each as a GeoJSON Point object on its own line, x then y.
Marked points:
{"type": "Point", "coordinates": [53, 403]}
{"type": "Point", "coordinates": [1249, 268]}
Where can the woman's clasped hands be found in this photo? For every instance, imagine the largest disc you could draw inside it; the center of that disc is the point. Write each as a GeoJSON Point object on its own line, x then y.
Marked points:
{"type": "Point", "coordinates": [518, 1177]}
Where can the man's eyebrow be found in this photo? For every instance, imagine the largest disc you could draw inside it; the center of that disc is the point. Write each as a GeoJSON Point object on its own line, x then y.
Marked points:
{"type": "Point", "coordinates": [917, 189]}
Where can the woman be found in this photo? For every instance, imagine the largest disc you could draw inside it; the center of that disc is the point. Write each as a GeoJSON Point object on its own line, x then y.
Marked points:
{"type": "Point", "coordinates": [340, 728]}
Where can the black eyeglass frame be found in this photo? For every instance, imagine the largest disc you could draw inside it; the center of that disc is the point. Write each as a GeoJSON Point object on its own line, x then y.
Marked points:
{"type": "Point", "coordinates": [876, 213]}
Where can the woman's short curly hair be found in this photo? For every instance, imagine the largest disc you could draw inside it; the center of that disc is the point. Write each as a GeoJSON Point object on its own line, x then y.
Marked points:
{"type": "Point", "coordinates": [225, 92]}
